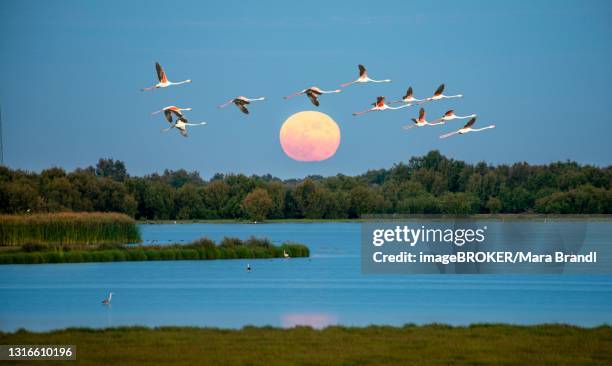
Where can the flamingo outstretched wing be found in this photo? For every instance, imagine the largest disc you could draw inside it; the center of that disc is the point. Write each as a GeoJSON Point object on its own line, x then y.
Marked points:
{"type": "Point", "coordinates": [470, 123]}
{"type": "Point", "coordinates": [440, 90]}
{"type": "Point", "coordinates": [362, 71]}
{"type": "Point", "coordinates": [161, 75]}
{"type": "Point", "coordinates": [313, 98]}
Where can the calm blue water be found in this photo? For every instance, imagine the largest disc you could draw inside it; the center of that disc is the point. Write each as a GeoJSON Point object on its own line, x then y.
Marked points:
{"type": "Point", "coordinates": [327, 288]}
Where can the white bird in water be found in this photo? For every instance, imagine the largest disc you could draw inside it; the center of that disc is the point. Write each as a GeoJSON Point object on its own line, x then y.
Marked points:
{"type": "Point", "coordinates": [379, 105]}
{"type": "Point", "coordinates": [466, 129]}
{"type": "Point", "coordinates": [241, 103]}
{"type": "Point", "coordinates": [313, 94]}
{"type": "Point", "coordinates": [438, 95]}
{"type": "Point", "coordinates": [248, 267]}
{"type": "Point", "coordinates": [168, 111]}
{"type": "Point", "coordinates": [408, 98]}
{"type": "Point", "coordinates": [421, 121]}
{"type": "Point", "coordinates": [163, 79]}
{"type": "Point", "coordinates": [181, 125]}
{"type": "Point", "coordinates": [108, 299]}
{"type": "Point", "coordinates": [450, 115]}
{"type": "Point", "coordinates": [285, 254]}
{"type": "Point", "coordinates": [363, 78]}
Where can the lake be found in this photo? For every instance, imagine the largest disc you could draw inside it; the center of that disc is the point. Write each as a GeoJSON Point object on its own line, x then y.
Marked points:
{"type": "Point", "coordinates": [327, 288]}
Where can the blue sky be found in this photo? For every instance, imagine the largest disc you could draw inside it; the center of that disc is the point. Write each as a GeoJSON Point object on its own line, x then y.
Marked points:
{"type": "Point", "coordinates": [72, 73]}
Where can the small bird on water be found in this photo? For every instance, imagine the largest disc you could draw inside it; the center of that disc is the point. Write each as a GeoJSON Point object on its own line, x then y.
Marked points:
{"type": "Point", "coordinates": [248, 268]}
{"type": "Point", "coordinates": [108, 299]}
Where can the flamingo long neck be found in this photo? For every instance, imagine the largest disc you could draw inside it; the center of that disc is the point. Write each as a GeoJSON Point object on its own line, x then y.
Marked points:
{"type": "Point", "coordinates": [465, 117]}
{"type": "Point", "coordinates": [330, 91]}
{"type": "Point", "coordinates": [226, 103]}
{"type": "Point", "coordinates": [380, 81]}
{"type": "Point", "coordinates": [452, 96]}
{"type": "Point", "coordinates": [110, 296]}
{"type": "Point", "coordinates": [184, 109]}
{"type": "Point", "coordinates": [254, 99]}
{"type": "Point", "coordinates": [296, 94]}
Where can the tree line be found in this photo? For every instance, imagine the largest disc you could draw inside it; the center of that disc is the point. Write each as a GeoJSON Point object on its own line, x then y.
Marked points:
{"type": "Point", "coordinates": [430, 184]}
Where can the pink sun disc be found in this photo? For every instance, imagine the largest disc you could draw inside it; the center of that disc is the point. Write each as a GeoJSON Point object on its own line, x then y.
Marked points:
{"type": "Point", "coordinates": [310, 136]}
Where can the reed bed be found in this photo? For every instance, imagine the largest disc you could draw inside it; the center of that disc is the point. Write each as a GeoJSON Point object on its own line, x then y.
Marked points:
{"type": "Point", "coordinates": [480, 344]}
{"type": "Point", "coordinates": [201, 249]}
{"type": "Point", "coordinates": [68, 228]}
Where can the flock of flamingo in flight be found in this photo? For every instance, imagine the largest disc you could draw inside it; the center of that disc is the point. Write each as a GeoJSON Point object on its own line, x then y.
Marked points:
{"type": "Point", "coordinates": [177, 119]}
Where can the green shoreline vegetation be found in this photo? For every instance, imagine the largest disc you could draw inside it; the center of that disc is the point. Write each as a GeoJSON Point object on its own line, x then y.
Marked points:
{"type": "Point", "coordinates": [431, 184]}
{"type": "Point", "coordinates": [492, 217]}
{"type": "Point", "coordinates": [68, 228]}
{"type": "Point", "coordinates": [434, 344]}
{"type": "Point", "coordinates": [201, 249]}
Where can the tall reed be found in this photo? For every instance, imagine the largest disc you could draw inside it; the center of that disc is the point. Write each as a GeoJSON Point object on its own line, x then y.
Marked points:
{"type": "Point", "coordinates": [68, 228]}
{"type": "Point", "coordinates": [201, 249]}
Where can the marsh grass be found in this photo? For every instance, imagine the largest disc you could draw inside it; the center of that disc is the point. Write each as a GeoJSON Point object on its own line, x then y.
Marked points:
{"type": "Point", "coordinates": [201, 249]}
{"type": "Point", "coordinates": [480, 344]}
{"type": "Point", "coordinates": [67, 228]}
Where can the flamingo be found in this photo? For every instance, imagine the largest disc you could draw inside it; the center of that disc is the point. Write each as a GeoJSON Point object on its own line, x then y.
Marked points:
{"type": "Point", "coordinates": [172, 109]}
{"type": "Point", "coordinates": [163, 79]}
{"type": "Point", "coordinates": [438, 95]}
{"type": "Point", "coordinates": [421, 121]}
{"type": "Point", "coordinates": [241, 103]}
{"type": "Point", "coordinates": [363, 78]}
{"type": "Point", "coordinates": [181, 125]}
{"type": "Point", "coordinates": [450, 115]}
{"type": "Point", "coordinates": [408, 98]}
{"type": "Point", "coordinates": [313, 93]}
{"type": "Point", "coordinates": [467, 128]}
{"type": "Point", "coordinates": [108, 299]}
{"type": "Point", "coordinates": [380, 105]}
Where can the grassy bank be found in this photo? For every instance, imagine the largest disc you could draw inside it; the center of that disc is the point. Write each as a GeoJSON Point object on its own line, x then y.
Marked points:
{"type": "Point", "coordinates": [202, 249]}
{"type": "Point", "coordinates": [67, 228]}
{"type": "Point", "coordinates": [375, 345]}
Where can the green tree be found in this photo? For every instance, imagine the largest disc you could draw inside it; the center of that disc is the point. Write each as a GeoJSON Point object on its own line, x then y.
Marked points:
{"type": "Point", "coordinates": [459, 203]}
{"type": "Point", "coordinates": [258, 204]}
{"type": "Point", "coordinates": [494, 205]}
{"type": "Point", "coordinates": [364, 201]}
{"type": "Point", "coordinates": [113, 169]}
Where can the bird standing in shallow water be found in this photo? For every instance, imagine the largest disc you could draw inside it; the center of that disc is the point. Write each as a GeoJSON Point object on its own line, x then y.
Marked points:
{"type": "Point", "coordinates": [107, 301]}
